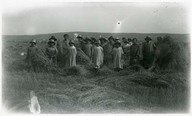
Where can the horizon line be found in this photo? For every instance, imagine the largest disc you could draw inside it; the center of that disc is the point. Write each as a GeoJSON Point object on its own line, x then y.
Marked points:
{"type": "Point", "coordinates": [88, 32]}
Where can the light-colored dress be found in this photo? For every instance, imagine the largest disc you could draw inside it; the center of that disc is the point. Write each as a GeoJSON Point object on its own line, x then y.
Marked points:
{"type": "Point", "coordinates": [72, 52]}
{"type": "Point", "coordinates": [97, 56]}
{"type": "Point", "coordinates": [34, 106]}
{"type": "Point", "coordinates": [117, 57]}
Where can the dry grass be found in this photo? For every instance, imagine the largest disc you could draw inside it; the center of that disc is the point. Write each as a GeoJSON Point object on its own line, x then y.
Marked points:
{"type": "Point", "coordinates": [81, 89]}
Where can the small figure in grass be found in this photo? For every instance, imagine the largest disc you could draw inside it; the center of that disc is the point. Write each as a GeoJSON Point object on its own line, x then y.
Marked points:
{"type": "Point", "coordinates": [51, 52]}
{"type": "Point", "coordinates": [72, 52]}
{"type": "Point", "coordinates": [34, 106]}
{"type": "Point", "coordinates": [97, 55]}
{"type": "Point", "coordinates": [31, 52]}
{"type": "Point", "coordinates": [87, 47]}
{"type": "Point", "coordinates": [117, 56]}
{"type": "Point", "coordinates": [134, 53]}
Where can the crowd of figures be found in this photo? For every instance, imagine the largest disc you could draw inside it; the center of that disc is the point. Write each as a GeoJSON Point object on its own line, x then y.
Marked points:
{"type": "Point", "coordinates": [113, 52]}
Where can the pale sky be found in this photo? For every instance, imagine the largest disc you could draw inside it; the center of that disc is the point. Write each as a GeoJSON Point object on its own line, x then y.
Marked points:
{"type": "Point", "coordinates": [95, 17]}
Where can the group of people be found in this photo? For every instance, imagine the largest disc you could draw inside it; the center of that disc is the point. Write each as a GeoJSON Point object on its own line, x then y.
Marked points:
{"type": "Point", "coordinates": [112, 52]}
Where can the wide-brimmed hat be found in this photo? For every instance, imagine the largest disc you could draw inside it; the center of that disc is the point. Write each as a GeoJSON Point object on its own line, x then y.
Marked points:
{"type": "Point", "coordinates": [71, 42]}
{"type": "Point", "coordinates": [102, 38]}
{"type": "Point", "coordinates": [111, 37]}
{"type": "Point", "coordinates": [118, 42]}
{"type": "Point", "coordinates": [33, 41]}
{"type": "Point", "coordinates": [51, 41]}
{"type": "Point", "coordinates": [148, 38]}
{"type": "Point", "coordinates": [117, 38]}
{"type": "Point", "coordinates": [80, 36]}
{"type": "Point", "coordinates": [53, 38]}
{"type": "Point", "coordinates": [87, 39]}
{"type": "Point", "coordinates": [98, 41]}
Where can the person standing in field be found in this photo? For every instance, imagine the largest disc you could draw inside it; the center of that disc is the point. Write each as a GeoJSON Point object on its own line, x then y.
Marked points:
{"type": "Point", "coordinates": [72, 52]}
{"type": "Point", "coordinates": [126, 49]}
{"type": "Point", "coordinates": [31, 52]}
{"type": "Point", "coordinates": [134, 53]}
{"type": "Point", "coordinates": [148, 52]}
{"type": "Point", "coordinates": [117, 53]}
{"type": "Point", "coordinates": [88, 47]}
{"type": "Point", "coordinates": [65, 47]}
{"type": "Point", "coordinates": [97, 55]}
{"type": "Point", "coordinates": [103, 41]}
{"type": "Point", "coordinates": [51, 52]}
{"type": "Point", "coordinates": [107, 49]}
{"type": "Point", "coordinates": [80, 42]}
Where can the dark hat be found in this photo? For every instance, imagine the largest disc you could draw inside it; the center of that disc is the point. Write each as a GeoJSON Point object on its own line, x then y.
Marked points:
{"type": "Point", "coordinates": [33, 41]}
{"type": "Point", "coordinates": [80, 36]}
{"type": "Point", "coordinates": [148, 38]}
{"type": "Point", "coordinates": [53, 38]}
{"type": "Point", "coordinates": [102, 38]}
{"type": "Point", "coordinates": [111, 37]}
{"type": "Point", "coordinates": [51, 41]}
{"type": "Point", "coordinates": [87, 39]}
{"type": "Point", "coordinates": [65, 35]}
{"type": "Point", "coordinates": [71, 42]}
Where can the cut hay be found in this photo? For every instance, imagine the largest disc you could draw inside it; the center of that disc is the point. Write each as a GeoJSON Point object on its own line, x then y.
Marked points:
{"type": "Point", "coordinates": [82, 58]}
{"type": "Point", "coordinates": [171, 55]}
{"type": "Point", "coordinates": [78, 70]}
{"type": "Point", "coordinates": [42, 62]}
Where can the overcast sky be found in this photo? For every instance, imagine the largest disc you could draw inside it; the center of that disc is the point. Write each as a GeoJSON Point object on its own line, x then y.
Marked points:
{"type": "Point", "coordinates": [95, 17]}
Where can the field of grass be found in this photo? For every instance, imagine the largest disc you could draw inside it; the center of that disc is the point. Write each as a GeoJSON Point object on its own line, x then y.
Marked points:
{"type": "Point", "coordinates": [83, 90]}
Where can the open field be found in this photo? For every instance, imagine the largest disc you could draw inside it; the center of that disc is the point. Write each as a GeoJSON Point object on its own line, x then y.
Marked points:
{"type": "Point", "coordinates": [87, 91]}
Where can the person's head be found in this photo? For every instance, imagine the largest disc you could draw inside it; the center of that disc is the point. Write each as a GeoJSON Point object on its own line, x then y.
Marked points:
{"type": "Point", "coordinates": [93, 40]}
{"type": "Point", "coordinates": [33, 42]}
{"type": "Point", "coordinates": [103, 40]}
{"type": "Point", "coordinates": [32, 93]}
{"type": "Point", "coordinates": [159, 39]}
{"type": "Point", "coordinates": [124, 39]}
{"type": "Point", "coordinates": [80, 38]}
{"type": "Point", "coordinates": [117, 44]}
{"type": "Point", "coordinates": [66, 37]}
{"type": "Point", "coordinates": [111, 39]}
{"type": "Point", "coordinates": [98, 42]}
{"type": "Point", "coordinates": [51, 43]}
{"type": "Point", "coordinates": [71, 43]}
{"type": "Point", "coordinates": [87, 40]}
{"type": "Point", "coordinates": [147, 39]}
{"type": "Point", "coordinates": [134, 40]}
{"type": "Point", "coordinates": [129, 40]}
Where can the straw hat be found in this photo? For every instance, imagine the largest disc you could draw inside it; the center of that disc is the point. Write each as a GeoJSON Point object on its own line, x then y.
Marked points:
{"type": "Point", "coordinates": [33, 41]}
